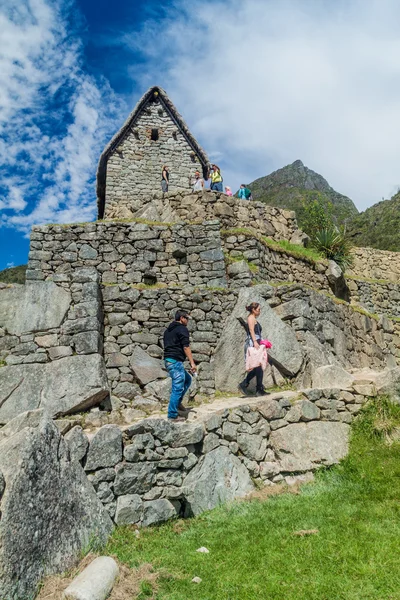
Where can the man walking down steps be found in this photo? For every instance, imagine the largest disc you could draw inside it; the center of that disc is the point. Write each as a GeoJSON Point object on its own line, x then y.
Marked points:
{"type": "Point", "coordinates": [176, 350]}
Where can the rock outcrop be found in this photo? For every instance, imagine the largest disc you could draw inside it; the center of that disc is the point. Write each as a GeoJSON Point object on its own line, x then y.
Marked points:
{"type": "Point", "coordinates": [61, 387]}
{"type": "Point", "coordinates": [305, 446]}
{"type": "Point", "coordinates": [229, 355]}
{"type": "Point", "coordinates": [49, 510]}
{"type": "Point", "coordinates": [217, 478]}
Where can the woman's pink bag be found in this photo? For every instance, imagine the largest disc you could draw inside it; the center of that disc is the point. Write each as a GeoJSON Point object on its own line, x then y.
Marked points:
{"type": "Point", "coordinates": [265, 343]}
{"type": "Point", "coordinates": [256, 358]}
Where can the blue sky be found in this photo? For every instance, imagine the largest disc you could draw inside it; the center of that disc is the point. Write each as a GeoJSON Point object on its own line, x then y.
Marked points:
{"type": "Point", "coordinates": [261, 84]}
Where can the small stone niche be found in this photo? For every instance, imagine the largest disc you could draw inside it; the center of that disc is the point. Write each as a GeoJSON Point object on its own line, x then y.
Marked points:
{"type": "Point", "coordinates": [154, 134]}
{"type": "Point", "coordinates": [149, 278]}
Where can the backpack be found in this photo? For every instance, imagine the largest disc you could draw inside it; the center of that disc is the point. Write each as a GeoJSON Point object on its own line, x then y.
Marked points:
{"type": "Point", "coordinates": [247, 193]}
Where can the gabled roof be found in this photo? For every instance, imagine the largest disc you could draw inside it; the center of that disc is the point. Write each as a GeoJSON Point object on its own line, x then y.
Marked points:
{"type": "Point", "coordinates": [125, 129]}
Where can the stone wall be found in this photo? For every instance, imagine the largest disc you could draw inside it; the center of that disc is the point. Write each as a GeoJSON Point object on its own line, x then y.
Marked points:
{"type": "Point", "coordinates": [335, 331]}
{"type": "Point", "coordinates": [371, 263]}
{"type": "Point", "coordinates": [129, 253]}
{"type": "Point", "coordinates": [250, 259]}
{"type": "Point", "coordinates": [378, 297]}
{"type": "Point", "coordinates": [154, 470]}
{"type": "Point", "coordinates": [326, 332]}
{"type": "Point", "coordinates": [197, 207]}
{"type": "Point", "coordinates": [134, 168]}
{"type": "Point", "coordinates": [71, 322]}
{"type": "Point", "coordinates": [135, 321]}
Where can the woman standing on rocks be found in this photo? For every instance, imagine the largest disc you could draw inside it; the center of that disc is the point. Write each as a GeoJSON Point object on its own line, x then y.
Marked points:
{"type": "Point", "coordinates": [165, 179]}
{"type": "Point", "coordinates": [252, 341]}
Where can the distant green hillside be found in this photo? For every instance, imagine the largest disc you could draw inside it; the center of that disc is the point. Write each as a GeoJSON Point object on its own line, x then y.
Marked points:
{"type": "Point", "coordinates": [290, 186]}
{"type": "Point", "coordinates": [378, 226]}
{"type": "Point", "coordinates": [13, 275]}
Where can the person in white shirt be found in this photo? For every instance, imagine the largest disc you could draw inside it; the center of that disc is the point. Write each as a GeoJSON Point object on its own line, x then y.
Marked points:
{"type": "Point", "coordinates": [198, 183]}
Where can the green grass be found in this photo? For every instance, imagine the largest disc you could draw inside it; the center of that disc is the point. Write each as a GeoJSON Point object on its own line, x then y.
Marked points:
{"type": "Point", "coordinates": [254, 553]}
{"type": "Point", "coordinates": [368, 279]}
{"type": "Point", "coordinates": [295, 250]}
{"type": "Point", "coordinates": [309, 255]}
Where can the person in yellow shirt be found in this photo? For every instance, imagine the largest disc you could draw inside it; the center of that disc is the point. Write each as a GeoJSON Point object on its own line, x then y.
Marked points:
{"type": "Point", "coordinates": [216, 178]}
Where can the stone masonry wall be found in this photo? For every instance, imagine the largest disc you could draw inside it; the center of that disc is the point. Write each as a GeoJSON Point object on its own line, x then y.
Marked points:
{"type": "Point", "coordinates": [71, 324]}
{"type": "Point", "coordinates": [378, 297]}
{"type": "Point", "coordinates": [134, 168]}
{"type": "Point", "coordinates": [197, 207]}
{"type": "Point", "coordinates": [154, 470]}
{"type": "Point", "coordinates": [129, 252]}
{"type": "Point", "coordinates": [138, 318]}
{"type": "Point", "coordinates": [135, 321]}
{"type": "Point", "coordinates": [330, 329]}
{"type": "Point", "coordinates": [371, 263]}
{"type": "Point", "coordinates": [249, 258]}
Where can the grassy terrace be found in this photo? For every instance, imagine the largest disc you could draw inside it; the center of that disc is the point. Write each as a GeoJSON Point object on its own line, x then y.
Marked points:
{"type": "Point", "coordinates": [309, 255]}
{"type": "Point", "coordinates": [335, 540]}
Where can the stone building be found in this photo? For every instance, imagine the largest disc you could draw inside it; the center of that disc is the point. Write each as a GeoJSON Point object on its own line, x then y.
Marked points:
{"type": "Point", "coordinates": [153, 135]}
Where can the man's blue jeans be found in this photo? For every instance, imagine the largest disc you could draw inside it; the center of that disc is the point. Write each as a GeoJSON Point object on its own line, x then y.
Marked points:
{"type": "Point", "coordinates": [181, 381]}
{"type": "Point", "coordinates": [217, 186]}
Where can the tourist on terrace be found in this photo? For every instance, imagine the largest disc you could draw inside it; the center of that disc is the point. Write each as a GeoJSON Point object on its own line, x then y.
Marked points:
{"type": "Point", "coordinates": [253, 340]}
{"type": "Point", "coordinates": [228, 191]}
{"type": "Point", "coordinates": [198, 184]}
{"type": "Point", "coordinates": [216, 178]}
{"type": "Point", "coordinates": [244, 193]}
{"type": "Point", "coordinates": [165, 179]}
{"type": "Point", "coordinates": [176, 350]}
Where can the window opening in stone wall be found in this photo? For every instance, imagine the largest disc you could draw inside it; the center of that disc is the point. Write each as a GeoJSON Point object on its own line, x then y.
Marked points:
{"type": "Point", "coordinates": [154, 134]}
{"type": "Point", "coordinates": [149, 279]}
{"type": "Point", "coordinates": [193, 157]}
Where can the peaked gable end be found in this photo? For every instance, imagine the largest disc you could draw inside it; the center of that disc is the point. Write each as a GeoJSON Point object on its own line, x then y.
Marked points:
{"type": "Point", "coordinates": [154, 134]}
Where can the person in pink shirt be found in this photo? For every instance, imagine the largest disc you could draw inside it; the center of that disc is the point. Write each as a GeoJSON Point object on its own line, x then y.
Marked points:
{"type": "Point", "coordinates": [228, 191]}
{"type": "Point", "coordinates": [253, 339]}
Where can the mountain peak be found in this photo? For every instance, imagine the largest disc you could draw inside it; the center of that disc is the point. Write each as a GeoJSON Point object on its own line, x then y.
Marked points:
{"type": "Point", "coordinates": [297, 163]}
{"type": "Point", "coordinates": [293, 184]}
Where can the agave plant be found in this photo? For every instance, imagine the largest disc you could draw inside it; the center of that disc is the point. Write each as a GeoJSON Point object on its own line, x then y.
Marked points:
{"type": "Point", "coordinates": [334, 245]}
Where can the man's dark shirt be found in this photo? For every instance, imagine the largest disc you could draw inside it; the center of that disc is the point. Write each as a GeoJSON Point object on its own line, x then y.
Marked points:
{"type": "Point", "coordinates": [176, 338]}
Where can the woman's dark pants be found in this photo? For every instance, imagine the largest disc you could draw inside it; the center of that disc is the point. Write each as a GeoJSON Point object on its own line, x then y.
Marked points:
{"type": "Point", "coordinates": [258, 373]}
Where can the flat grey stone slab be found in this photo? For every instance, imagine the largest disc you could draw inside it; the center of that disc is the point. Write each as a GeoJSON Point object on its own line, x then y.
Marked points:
{"type": "Point", "coordinates": [35, 306]}
{"type": "Point", "coordinates": [61, 387]}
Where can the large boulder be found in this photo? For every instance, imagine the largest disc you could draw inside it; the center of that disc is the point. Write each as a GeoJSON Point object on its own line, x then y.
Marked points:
{"type": "Point", "coordinates": [49, 511]}
{"type": "Point", "coordinates": [145, 367]}
{"type": "Point", "coordinates": [218, 477]}
{"type": "Point", "coordinates": [332, 376]}
{"type": "Point", "coordinates": [388, 382]}
{"type": "Point", "coordinates": [35, 306]}
{"type": "Point", "coordinates": [61, 387]}
{"type": "Point", "coordinates": [229, 355]}
{"type": "Point", "coordinates": [337, 281]}
{"type": "Point", "coordinates": [306, 446]}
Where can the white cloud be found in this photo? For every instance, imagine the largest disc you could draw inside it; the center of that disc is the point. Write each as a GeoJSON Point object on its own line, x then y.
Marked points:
{"type": "Point", "coordinates": [264, 83]}
{"type": "Point", "coordinates": [54, 116]}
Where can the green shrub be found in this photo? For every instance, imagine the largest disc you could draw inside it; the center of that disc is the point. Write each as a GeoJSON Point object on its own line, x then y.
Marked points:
{"type": "Point", "coordinates": [379, 419]}
{"type": "Point", "coordinates": [316, 215]}
{"type": "Point", "coordinates": [334, 245]}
